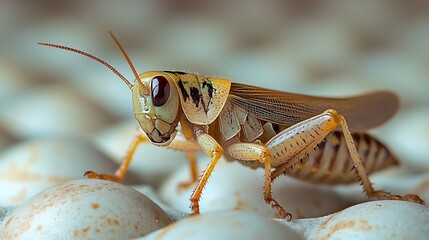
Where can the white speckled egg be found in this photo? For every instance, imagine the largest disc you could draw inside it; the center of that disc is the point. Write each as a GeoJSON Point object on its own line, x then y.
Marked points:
{"type": "Point", "coordinates": [225, 225]}
{"type": "Point", "coordinates": [150, 193]}
{"type": "Point", "coordinates": [115, 96]}
{"type": "Point", "coordinates": [399, 71]}
{"type": "Point", "coordinates": [5, 138]}
{"type": "Point", "coordinates": [52, 111]}
{"type": "Point", "coordinates": [374, 220]}
{"type": "Point", "coordinates": [29, 167]}
{"type": "Point", "coordinates": [4, 212]}
{"type": "Point", "coordinates": [12, 80]}
{"type": "Point", "coordinates": [234, 186]}
{"type": "Point", "coordinates": [408, 135]}
{"type": "Point", "coordinates": [85, 209]}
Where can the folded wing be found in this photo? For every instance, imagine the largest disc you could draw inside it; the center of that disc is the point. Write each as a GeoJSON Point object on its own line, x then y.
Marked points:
{"type": "Point", "coordinates": [361, 112]}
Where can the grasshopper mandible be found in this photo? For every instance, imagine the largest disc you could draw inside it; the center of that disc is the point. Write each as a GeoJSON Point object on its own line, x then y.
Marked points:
{"type": "Point", "coordinates": [283, 133]}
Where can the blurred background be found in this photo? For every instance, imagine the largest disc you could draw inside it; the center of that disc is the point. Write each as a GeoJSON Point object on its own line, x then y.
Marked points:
{"type": "Point", "coordinates": [326, 48]}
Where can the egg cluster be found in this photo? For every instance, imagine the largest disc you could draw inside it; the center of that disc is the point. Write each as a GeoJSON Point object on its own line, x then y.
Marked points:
{"type": "Point", "coordinates": [62, 115]}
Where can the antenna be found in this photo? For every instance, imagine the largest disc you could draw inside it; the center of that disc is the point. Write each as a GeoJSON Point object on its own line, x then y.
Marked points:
{"type": "Point", "coordinates": [126, 58]}
{"type": "Point", "coordinates": [92, 57]}
{"type": "Point", "coordinates": [144, 86]}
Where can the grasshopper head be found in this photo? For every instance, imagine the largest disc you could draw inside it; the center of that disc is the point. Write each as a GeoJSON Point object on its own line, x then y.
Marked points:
{"type": "Point", "coordinates": [155, 98]}
{"type": "Point", "coordinates": [156, 106]}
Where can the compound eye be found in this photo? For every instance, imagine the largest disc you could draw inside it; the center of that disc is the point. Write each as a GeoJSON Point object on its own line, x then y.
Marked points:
{"type": "Point", "coordinates": [160, 90]}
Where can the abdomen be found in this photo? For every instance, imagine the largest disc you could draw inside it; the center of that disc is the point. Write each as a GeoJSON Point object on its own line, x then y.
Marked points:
{"type": "Point", "coordinates": [331, 163]}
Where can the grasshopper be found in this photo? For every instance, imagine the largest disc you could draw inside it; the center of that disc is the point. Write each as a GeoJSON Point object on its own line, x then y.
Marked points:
{"type": "Point", "coordinates": [317, 139]}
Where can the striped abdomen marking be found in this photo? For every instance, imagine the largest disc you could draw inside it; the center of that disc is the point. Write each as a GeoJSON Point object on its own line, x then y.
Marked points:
{"type": "Point", "coordinates": [330, 162]}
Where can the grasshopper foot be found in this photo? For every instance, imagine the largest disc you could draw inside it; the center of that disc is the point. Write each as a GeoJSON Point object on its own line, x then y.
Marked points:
{"type": "Point", "coordinates": [382, 195]}
{"type": "Point", "coordinates": [282, 212]}
{"type": "Point", "coordinates": [94, 175]}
